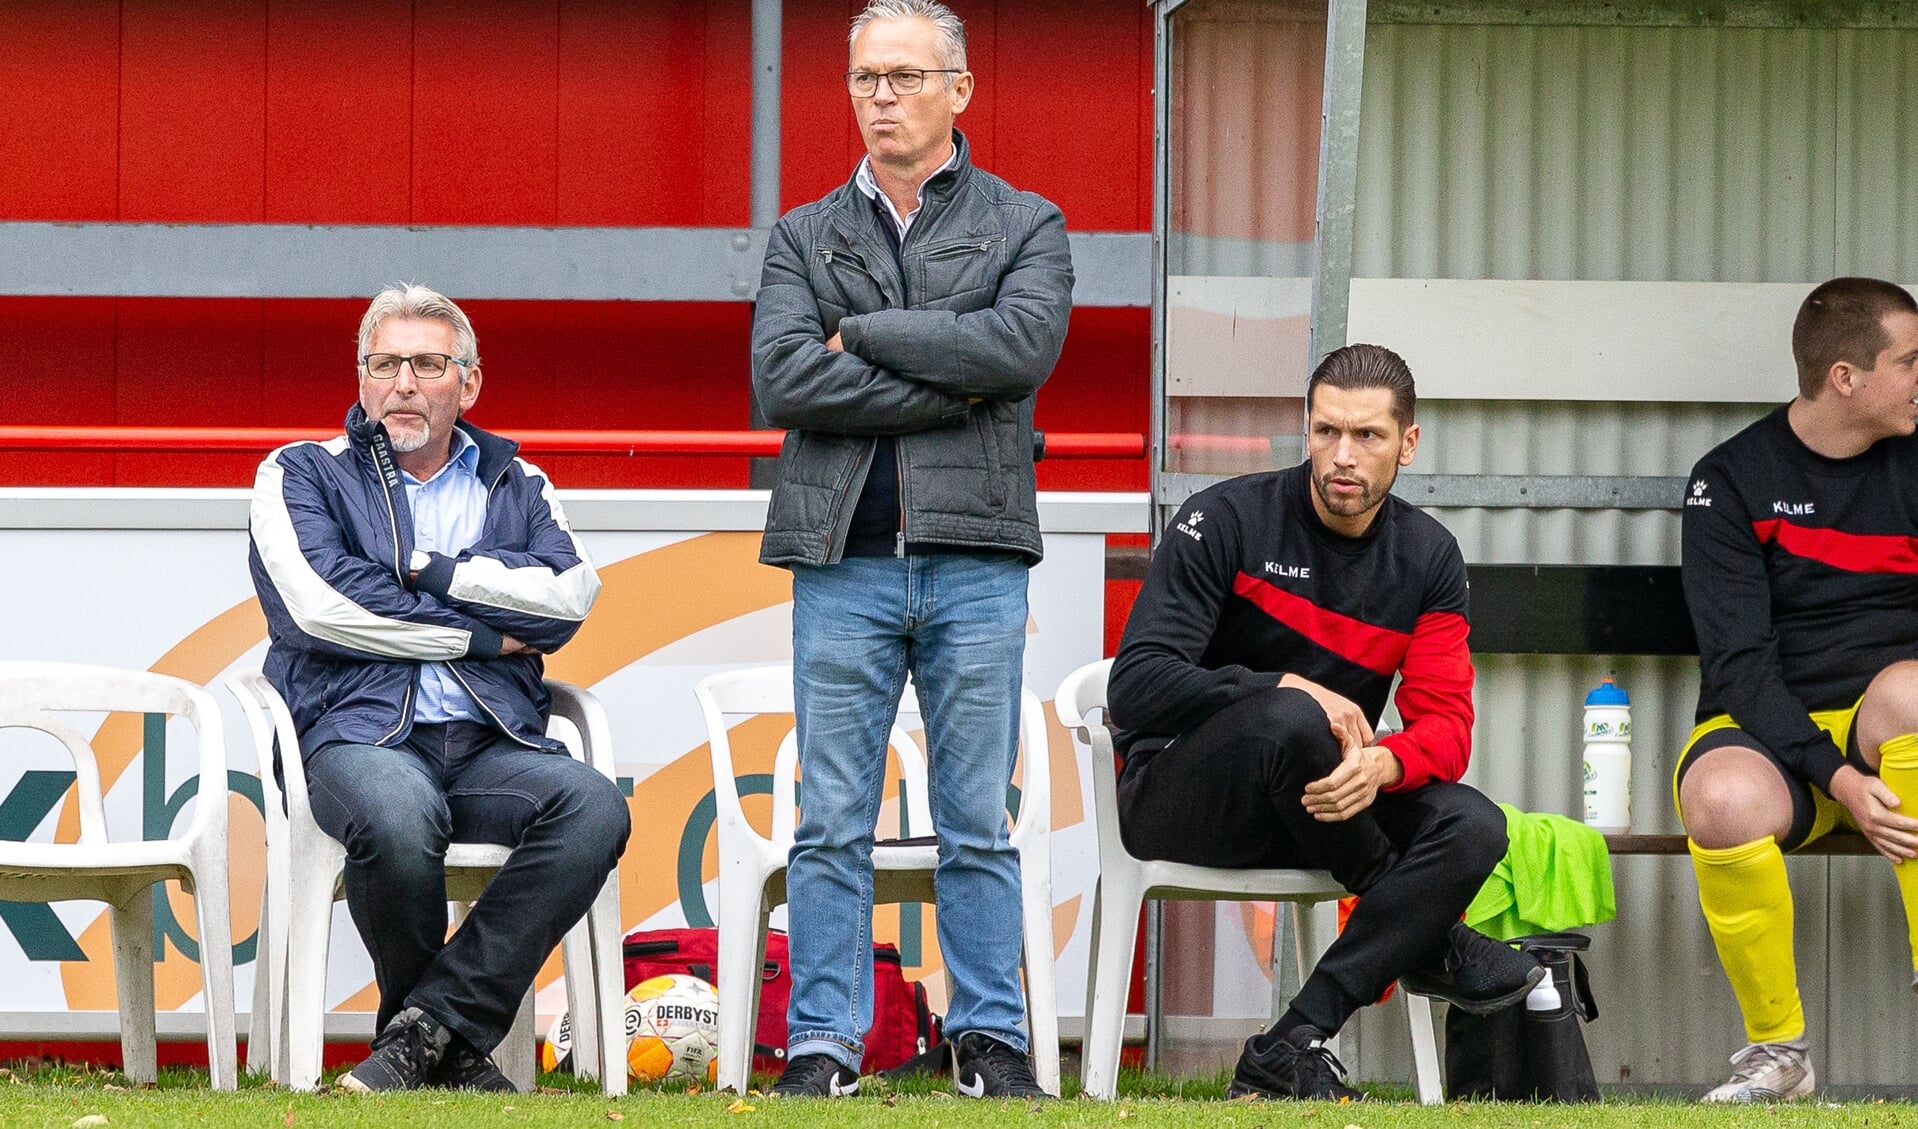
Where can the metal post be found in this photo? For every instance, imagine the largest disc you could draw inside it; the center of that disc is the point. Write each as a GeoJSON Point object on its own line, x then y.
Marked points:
{"type": "Point", "coordinates": [767, 26]}
{"type": "Point", "coordinates": [1156, 451]}
{"type": "Point", "coordinates": [1338, 174]}
{"type": "Point", "coordinates": [767, 18]}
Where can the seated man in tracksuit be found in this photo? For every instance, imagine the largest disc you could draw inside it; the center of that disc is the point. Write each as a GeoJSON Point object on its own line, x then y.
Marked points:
{"type": "Point", "coordinates": [1278, 608]}
{"type": "Point", "coordinates": [412, 572]}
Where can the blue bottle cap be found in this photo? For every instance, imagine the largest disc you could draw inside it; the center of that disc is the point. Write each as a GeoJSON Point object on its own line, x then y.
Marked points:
{"type": "Point", "coordinates": [1607, 694]}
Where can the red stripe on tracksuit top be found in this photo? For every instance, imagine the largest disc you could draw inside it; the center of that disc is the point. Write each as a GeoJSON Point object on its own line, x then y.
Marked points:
{"type": "Point", "coordinates": [1853, 552]}
{"type": "Point", "coordinates": [1435, 691]}
{"type": "Point", "coordinates": [1377, 649]}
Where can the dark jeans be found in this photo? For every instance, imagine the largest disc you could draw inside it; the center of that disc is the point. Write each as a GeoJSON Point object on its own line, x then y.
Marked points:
{"type": "Point", "coordinates": [1227, 794]}
{"type": "Point", "coordinates": [396, 809]}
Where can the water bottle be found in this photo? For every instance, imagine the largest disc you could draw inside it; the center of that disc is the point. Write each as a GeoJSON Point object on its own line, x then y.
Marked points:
{"type": "Point", "coordinates": [1608, 759]}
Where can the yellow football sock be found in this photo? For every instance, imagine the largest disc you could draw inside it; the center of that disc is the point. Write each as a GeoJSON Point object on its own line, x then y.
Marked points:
{"type": "Point", "coordinates": [1898, 768]}
{"type": "Point", "coordinates": [1747, 903]}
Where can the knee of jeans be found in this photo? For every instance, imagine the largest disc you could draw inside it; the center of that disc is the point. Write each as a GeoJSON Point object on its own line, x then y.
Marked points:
{"type": "Point", "coordinates": [599, 814]}
{"type": "Point", "coordinates": [403, 836]}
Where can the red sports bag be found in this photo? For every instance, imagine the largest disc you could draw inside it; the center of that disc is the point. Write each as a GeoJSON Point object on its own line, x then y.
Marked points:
{"type": "Point", "coordinates": [903, 1026]}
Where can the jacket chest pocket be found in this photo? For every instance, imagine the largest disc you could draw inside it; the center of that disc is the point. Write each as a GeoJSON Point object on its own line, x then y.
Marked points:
{"type": "Point", "coordinates": [843, 281]}
{"type": "Point", "coordinates": [959, 267]}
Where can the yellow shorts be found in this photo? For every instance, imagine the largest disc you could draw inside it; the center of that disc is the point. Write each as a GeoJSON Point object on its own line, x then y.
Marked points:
{"type": "Point", "coordinates": [1814, 814]}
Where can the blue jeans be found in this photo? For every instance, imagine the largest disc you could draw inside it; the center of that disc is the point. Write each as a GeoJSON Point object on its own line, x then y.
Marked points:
{"type": "Point", "coordinates": [396, 809]}
{"type": "Point", "coordinates": [957, 623]}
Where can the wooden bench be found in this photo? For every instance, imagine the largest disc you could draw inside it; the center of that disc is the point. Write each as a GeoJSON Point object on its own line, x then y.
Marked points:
{"type": "Point", "coordinates": [1599, 610]}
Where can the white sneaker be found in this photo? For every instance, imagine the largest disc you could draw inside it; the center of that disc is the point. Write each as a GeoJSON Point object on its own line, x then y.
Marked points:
{"type": "Point", "coordinates": [1768, 1072]}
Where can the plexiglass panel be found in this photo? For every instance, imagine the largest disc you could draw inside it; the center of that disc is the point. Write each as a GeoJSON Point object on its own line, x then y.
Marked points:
{"type": "Point", "coordinates": [1247, 83]}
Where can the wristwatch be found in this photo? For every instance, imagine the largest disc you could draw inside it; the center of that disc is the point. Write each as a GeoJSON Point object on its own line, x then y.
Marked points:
{"type": "Point", "coordinates": [419, 560]}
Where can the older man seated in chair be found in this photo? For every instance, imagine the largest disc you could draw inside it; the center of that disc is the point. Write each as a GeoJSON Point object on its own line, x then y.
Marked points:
{"type": "Point", "coordinates": [412, 572]}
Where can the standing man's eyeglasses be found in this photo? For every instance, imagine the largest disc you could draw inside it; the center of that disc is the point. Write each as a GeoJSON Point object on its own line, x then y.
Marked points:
{"type": "Point", "coordinates": [865, 84]}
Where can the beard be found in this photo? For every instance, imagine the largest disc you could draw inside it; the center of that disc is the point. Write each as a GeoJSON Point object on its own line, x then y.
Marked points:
{"type": "Point", "coordinates": [410, 442]}
{"type": "Point", "coordinates": [1370, 495]}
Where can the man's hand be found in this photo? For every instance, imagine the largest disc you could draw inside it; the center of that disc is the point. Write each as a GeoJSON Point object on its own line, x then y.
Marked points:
{"type": "Point", "coordinates": [1870, 803]}
{"type": "Point", "coordinates": [1350, 788]}
{"type": "Point", "coordinates": [835, 344]}
{"type": "Point", "coordinates": [511, 646]}
{"type": "Point", "coordinates": [1348, 721]}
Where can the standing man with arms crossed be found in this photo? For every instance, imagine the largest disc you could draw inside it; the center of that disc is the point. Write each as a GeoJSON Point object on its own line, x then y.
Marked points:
{"type": "Point", "coordinates": [1802, 575]}
{"type": "Point", "coordinates": [902, 326]}
{"type": "Point", "coordinates": [412, 572]}
{"type": "Point", "coordinates": [1253, 671]}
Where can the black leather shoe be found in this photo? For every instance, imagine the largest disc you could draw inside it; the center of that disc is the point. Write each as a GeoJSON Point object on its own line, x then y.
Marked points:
{"type": "Point", "coordinates": [816, 1076]}
{"type": "Point", "coordinates": [984, 1067]}
{"type": "Point", "coordinates": [1475, 973]}
{"type": "Point", "coordinates": [1294, 1065]}
{"type": "Point", "coordinates": [404, 1056]}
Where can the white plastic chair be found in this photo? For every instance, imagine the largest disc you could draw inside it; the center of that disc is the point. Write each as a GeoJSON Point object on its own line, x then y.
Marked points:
{"type": "Point", "coordinates": [122, 874]}
{"type": "Point", "coordinates": [304, 869]}
{"type": "Point", "coordinates": [752, 866]}
{"type": "Point", "coordinates": [1125, 882]}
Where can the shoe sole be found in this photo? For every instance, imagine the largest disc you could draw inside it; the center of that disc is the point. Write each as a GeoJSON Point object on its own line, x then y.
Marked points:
{"type": "Point", "coordinates": [1496, 1003]}
{"type": "Point", "coordinates": [1238, 1090]}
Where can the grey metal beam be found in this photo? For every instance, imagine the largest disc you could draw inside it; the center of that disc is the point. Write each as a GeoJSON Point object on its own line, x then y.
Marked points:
{"type": "Point", "coordinates": [646, 264]}
{"type": "Point", "coordinates": [1492, 491]}
{"type": "Point", "coordinates": [767, 20]}
{"type": "Point", "coordinates": [1338, 173]}
{"type": "Point", "coordinates": [1542, 491]}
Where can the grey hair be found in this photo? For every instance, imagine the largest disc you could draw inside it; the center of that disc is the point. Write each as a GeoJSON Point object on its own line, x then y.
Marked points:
{"type": "Point", "coordinates": [411, 300]}
{"type": "Point", "coordinates": [949, 38]}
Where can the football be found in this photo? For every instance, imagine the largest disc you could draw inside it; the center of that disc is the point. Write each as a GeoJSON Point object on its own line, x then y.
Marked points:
{"type": "Point", "coordinates": [672, 1029]}
{"type": "Point", "coordinates": [557, 1052]}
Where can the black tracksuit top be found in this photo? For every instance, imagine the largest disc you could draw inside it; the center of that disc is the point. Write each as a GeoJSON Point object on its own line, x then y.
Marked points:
{"type": "Point", "coordinates": [1802, 576]}
{"type": "Point", "coordinates": [1249, 585]}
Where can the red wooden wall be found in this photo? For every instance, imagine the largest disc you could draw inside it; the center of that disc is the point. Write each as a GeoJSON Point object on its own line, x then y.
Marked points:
{"type": "Point", "coordinates": [580, 112]}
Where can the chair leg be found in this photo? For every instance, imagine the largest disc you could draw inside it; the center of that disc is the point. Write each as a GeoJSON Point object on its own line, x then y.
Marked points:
{"type": "Point", "coordinates": [608, 984]}
{"type": "Point", "coordinates": [1425, 1061]}
{"type": "Point", "coordinates": [262, 1038]}
{"type": "Point", "coordinates": [742, 950]}
{"type": "Point", "coordinates": [1318, 927]}
{"type": "Point", "coordinates": [216, 965]}
{"type": "Point", "coordinates": [1042, 993]}
{"type": "Point", "coordinates": [1120, 898]}
{"type": "Point", "coordinates": [133, 984]}
{"type": "Point", "coordinates": [309, 937]}
{"type": "Point", "coordinates": [581, 1002]}
{"type": "Point", "coordinates": [514, 1056]}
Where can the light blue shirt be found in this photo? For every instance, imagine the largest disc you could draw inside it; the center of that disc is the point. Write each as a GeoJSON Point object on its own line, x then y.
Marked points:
{"type": "Point", "coordinates": [449, 510]}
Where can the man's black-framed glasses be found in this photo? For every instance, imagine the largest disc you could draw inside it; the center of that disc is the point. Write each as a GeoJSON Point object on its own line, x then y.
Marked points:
{"type": "Point", "coordinates": [426, 366]}
{"type": "Point", "coordinates": [910, 80]}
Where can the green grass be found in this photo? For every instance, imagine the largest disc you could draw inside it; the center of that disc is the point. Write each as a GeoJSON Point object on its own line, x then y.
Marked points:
{"type": "Point", "coordinates": [58, 1096]}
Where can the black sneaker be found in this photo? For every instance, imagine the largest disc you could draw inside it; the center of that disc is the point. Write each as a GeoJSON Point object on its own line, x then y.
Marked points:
{"type": "Point", "coordinates": [816, 1076]}
{"type": "Point", "coordinates": [1294, 1065]}
{"type": "Point", "coordinates": [464, 1068]}
{"type": "Point", "coordinates": [984, 1067]}
{"type": "Point", "coordinates": [1476, 974]}
{"type": "Point", "coordinates": [404, 1055]}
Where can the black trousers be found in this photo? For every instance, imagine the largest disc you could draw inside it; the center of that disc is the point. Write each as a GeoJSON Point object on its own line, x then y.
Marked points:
{"type": "Point", "coordinates": [1228, 794]}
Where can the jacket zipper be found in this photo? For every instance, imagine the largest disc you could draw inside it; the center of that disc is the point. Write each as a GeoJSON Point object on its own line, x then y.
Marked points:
{"type": "Point", "coordinates": [481, 702]}
{"type": "Point", "coordinates": [382, 465]}
{"type": "Point", "coordinates": [953, 252]}
{"type": "Point", "coordinates": [899, 476]}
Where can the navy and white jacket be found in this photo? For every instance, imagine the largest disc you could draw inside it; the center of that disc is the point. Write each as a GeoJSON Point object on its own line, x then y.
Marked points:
{"type": "Point", "coordinates": [332, 540]}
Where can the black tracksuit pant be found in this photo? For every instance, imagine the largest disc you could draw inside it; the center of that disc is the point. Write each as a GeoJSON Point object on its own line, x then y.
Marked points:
{"type": "Point", "coordinates": [1228, 794]}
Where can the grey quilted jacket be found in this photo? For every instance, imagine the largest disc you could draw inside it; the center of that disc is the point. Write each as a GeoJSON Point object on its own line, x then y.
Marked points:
{"type": "Point", "coordinates": [946, 358]}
